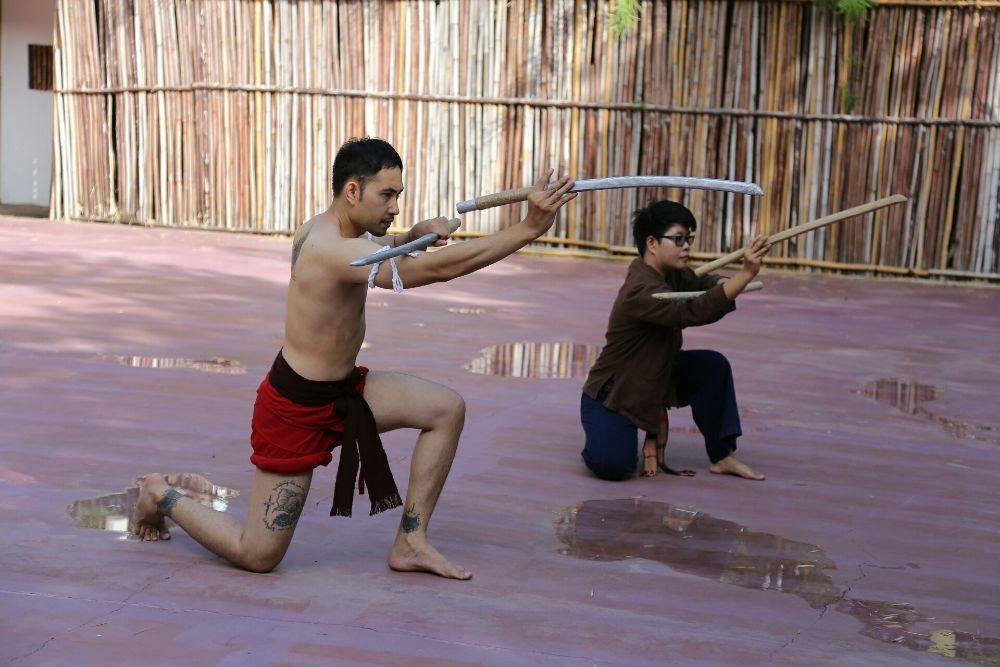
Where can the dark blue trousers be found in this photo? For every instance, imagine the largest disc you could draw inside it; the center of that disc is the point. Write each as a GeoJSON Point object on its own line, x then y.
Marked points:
{"type": "Point", "coordinates": [704, 381]}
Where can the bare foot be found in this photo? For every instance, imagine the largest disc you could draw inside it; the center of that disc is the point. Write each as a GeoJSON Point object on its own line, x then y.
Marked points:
{"type": "Point", "coordinates": [649, 458]}
{"type": "Point", "coordinates": [648, 465]}
{"type": "Point", "coordinates": [147, 522]}
{"type": "Point", "coordinates": [731, 466]}
{"type": "Point", "coordinates": [415, 554]}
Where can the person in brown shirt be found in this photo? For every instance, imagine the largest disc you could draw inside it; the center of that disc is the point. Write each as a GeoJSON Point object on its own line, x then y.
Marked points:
{"type": "Point", "coordinates": [642, 368]}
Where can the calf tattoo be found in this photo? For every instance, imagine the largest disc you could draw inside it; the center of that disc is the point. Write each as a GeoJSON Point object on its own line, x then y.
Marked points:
{"type": "Point", "coordinates": [283, 507]}
{"type": "Point", "coordinates": [411, 520]}
{"type": "Point", "coordinates": [165, 505]}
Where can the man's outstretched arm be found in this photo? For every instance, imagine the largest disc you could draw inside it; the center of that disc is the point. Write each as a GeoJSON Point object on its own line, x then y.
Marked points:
{"type": "Point", "coordinates": [463, 258]}
{"type": "Point", "coordinates": [437, 226]}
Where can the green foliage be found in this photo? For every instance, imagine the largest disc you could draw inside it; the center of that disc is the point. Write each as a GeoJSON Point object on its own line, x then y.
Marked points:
{"type": "Point", "coordinates": [851, 10]}
{"type": "Point", "coordinates": [848, 98]}
{"type": "Point", "coordinates": [624, 16]}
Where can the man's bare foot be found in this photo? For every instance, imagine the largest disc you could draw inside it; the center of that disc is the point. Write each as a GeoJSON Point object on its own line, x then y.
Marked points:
{"type": "Point", "coordinates": [731, 466]}
{"type": "Point", "coordinates": [415, 554]}
{"type": "Point", "coordinates": [147, 522]}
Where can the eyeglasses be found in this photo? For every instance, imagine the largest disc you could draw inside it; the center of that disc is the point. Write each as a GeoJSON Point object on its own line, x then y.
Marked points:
{"type": "Point", "coordinates": [679, 239]}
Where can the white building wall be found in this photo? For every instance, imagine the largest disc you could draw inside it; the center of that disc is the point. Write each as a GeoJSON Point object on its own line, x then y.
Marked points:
{"type": "Point", "coordinates": [25, 115]}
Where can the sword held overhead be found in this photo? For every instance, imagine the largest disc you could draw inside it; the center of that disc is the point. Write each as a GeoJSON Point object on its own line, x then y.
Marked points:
{"type": "Point", "coordinates": [614, 183]}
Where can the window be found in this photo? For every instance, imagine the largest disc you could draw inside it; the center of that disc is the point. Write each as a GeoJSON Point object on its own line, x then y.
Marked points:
{"type": "Point", "coordinates": [39, 67]}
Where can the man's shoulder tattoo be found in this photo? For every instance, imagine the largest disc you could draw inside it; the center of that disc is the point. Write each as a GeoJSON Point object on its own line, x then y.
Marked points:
{"type": "Point", "coordinates": [297, 248]}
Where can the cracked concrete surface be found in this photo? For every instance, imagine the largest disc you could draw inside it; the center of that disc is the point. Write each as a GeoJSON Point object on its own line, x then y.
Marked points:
{"type": "Point", "coordinates": [873, 487]}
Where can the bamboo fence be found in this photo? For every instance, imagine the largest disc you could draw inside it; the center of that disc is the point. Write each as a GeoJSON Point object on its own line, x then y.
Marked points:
{"type": "Point", "coordinates": [226, 114]}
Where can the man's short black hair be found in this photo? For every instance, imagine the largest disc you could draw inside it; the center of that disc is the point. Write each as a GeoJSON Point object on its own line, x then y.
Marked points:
{"type": "Point", "coordinates": [361, 159]}
{"type": "Point", "coordinates": [657, 218]}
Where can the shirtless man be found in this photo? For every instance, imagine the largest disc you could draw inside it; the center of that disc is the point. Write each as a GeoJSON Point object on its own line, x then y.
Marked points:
{"type": "Point", "coordinates": [311, 401]}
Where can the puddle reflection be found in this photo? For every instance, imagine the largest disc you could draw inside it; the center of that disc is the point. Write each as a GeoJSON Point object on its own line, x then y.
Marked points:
{"type": "Point", "coordinates": [699, 544]}
{"type": "Point", "coordinates": [536, 360]}
{"type": "Point", "coordinates": [467, 310]}
{"type": "Point", "coordinates": [112, 511]}
{"type": "Point", "coordinates": [902, 395]}
{"type": "Point", "coordinates": [908, 397]}
{"type": "Point", "coordinates": [217, 365]}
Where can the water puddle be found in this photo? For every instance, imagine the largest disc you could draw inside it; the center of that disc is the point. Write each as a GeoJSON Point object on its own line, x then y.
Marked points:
{"type": "Point", "coordinates": [467, 310]}
{"type": "Point", "coordinates": [909, 397]}
{"type": "Point", "coordinates": [112, 511]}
{"type": "Point", "coordinates": [217, 365]}
{"type": "Point", "coordinates": [536, 360]}
{"type": "Point", "coordinates": [699, 544]}
{"type": "Point", "coordinates": [902, 395]}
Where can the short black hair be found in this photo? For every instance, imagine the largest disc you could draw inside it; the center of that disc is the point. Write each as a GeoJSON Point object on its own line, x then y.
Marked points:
{"type": "Point", "coordinates": [657, 218]}
{"type": "Point", "coordinates": [361, 159]}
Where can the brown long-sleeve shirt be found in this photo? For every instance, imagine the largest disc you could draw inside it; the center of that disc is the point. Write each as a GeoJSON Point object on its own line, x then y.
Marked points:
{"type": "Point", "coordinates": [644, 337]}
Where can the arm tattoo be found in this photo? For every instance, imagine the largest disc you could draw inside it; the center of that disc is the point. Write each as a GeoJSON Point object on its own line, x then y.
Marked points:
{"type": "Point", "coordinates": [165, 505]}
{"type": "Point", "coordinates": [411, 520]}
{"type": "Point", "coordinates": [283, 507]}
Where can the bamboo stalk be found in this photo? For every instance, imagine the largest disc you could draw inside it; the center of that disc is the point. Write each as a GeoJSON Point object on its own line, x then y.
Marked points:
{"type": "Point", "coordinates": [528, 102]}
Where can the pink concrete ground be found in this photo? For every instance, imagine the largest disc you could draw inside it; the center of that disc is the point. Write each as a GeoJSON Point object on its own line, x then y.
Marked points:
{"type": "Point", "coordinates": [905, 505]}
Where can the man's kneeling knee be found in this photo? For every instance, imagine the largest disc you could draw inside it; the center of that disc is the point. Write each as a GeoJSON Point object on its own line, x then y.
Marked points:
{"type": "Point", "coordinates": [261, 563]}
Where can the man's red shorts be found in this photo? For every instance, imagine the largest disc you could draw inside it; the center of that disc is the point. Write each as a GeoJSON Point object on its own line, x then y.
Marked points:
{"type": "Point", "coordinates": [290, 439]}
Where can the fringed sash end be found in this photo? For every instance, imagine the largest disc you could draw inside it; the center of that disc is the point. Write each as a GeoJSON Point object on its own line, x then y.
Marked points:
{"type": "Point", "coordinates": [389, 503]}
{"type": "Point", "coordinates": [340, 511]}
